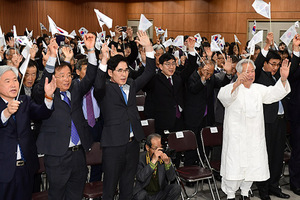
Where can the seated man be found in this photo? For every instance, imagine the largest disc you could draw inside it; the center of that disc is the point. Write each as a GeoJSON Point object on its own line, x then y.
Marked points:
{"type": "Point", "coordinates": [155, 170]}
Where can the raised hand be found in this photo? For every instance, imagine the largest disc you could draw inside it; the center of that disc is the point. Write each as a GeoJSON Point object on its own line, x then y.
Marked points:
{"type": "Point", "coordinates": [12, 107]}
{"type": "Point", "coordinates": [10, 42]}
{"type": "Point", "coordinates": [53, 47]}
{"type": "Point", "coordinates": [144, 40]}
{"type": "Point", "coordinates": [67, 51]}
{"type": "Point", "coordinates": [16, 59]}
{"type": "Point", "coordinates": [228, 65]}
{"type": "Point", "coordinates": [269, 40]}
{"type": "Point", "coordinates": [33, 51]}
{"type": "Point", "coordinates": [191, 43]}
{"type": "Point", "coordinates": [49, 88]}
{"type": "Point", "coordinates": [285, 70]}
{"type": "Point", "coordinates": [209, 53]}
{"type": "Point", "coordinates": [89, 41]}
{"type": "Point", "coordinates": [105, 54]}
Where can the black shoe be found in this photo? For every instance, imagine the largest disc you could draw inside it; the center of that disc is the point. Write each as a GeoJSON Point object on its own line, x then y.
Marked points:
{"type": "Point", "coordinates": [265, 197]}
{"type": "Point", "coordinates": [280, 194]}
{"type": "Point", "coordinates": [295, 190]}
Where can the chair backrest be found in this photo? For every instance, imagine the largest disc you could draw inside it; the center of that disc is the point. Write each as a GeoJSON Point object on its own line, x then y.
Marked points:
{"type": "Point", "coordinates": [185, 143]}
{"type": "Point", "coordinates": [212, 139]}
{"type": "Point", "coordinates": [140, 100]}
{"type": "Point", "coordinates": [94, 156]}
{"type": "Point", "coordinates": [150, 128]}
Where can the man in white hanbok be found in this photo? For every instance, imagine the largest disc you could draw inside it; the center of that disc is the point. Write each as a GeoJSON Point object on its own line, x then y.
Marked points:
{"type": "Point", "coordinates": [244, 154]}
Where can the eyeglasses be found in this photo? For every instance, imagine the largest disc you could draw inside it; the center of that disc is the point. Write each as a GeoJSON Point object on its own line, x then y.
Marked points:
{"type": "Point", "coordinates": [168, 64]}
{"type": "Point", "coordinates": [64, 76]}
{"type": "Point", "coordinates": [275, 64]}
{"type": "Point", "coordinates": [122, 70]}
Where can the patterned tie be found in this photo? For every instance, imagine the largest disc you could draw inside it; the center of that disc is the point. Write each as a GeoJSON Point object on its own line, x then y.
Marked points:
{"type": "Point", "coordinates": [90, 109]}
{"type": "Point", "coordinates": [125, 99]}
{"type": "Point", "coordinates": [74, 133]}
{"type": "Point", "coordinates": [178, 113]}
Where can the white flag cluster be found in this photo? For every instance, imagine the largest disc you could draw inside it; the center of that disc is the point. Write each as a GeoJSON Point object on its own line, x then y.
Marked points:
{"type": "Point", "coordinates": [219, 42]}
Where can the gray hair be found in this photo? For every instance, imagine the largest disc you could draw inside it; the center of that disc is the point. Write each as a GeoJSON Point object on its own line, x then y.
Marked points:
{"type": "Point", "coordinates": [6, 68]}
{"type": "Point", "coordinates": [150, 137]}
{"type": "Point", "coordinates": [158, 47]}
{"type": "Point", "coordinates": [239, 65]}
{"type": "Point", "coordinates": [11, 48]}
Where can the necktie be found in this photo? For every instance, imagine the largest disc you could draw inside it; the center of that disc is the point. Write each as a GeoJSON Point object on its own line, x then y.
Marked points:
{"type": "Point", "coordinates": [19, 147]}
{"type": "Point", "coordinates": [178, 114]}
{"type": "Point", "coordinates": [74, 133]}
{"type": "Point", "coordinates": [90, 109]}
{"type": "Point", "coordinates": [125, 99]}
{"type": "Point", "coordinates": [280, 108]}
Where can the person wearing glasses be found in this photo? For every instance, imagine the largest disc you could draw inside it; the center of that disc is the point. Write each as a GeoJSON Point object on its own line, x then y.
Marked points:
{"type": "Point", "coordinates": [166, 90]}
{"type": "Point", "coordinates": [155, 172]}
{"type": "Point", "coordinates": [122, 130]}
{"type": "Point", "coordinates": [275, 129]}
{"type": "Point", "coordinates": [64, 137]}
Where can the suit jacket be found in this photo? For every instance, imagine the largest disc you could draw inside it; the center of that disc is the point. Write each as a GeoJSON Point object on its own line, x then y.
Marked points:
{"type": "Point", "coordinates": [198, 96]}
{"type": "Point", "coordinates": [118, 116]}
{"type": "Point", "coordinates": [165, 97]}
{"type": "Point", "coordinates": [144, 174]}
{"type": "Point", "coordinates": [55, 133]}
{"type": "Point", "coordinates": [294, 79]}
{"type": "Point", "coordinates": [18, 131]}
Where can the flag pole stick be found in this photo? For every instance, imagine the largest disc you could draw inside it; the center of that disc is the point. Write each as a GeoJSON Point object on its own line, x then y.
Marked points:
{"type": "Point", "coordinates": [20, 86]}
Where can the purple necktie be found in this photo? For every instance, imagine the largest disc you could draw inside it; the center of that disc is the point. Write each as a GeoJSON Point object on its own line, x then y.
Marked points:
{"type": "Point", "coordinates": [74, 133]}
{"type": "Point", "coordinates": [178, 113]}
{"type": "Point", "coordinates": [90, 109]}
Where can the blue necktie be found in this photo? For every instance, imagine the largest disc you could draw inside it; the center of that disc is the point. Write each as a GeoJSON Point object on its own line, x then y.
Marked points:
{"type": "Point", "coordinates": [280, 108]}
{"type": "Point", "coordinates": [74, 133]}
{"type": "Point", "coordinates": [125, 98]}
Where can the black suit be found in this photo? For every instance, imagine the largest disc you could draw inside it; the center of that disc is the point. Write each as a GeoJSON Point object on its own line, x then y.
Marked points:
{"type": "Point", "coordinates": [66, 169]}
{"type": "Point", "coordinates": [294, 114]}
{"type": "Point", "coordinates": [143, 177]}
{"type": "Point", "coordinates": [17, 131]}
{"type": "Point", "coordinates": [275, 130]}
{"type": "Point", "coordinates": [166, 97]}
{"type": "Point", "coordinates": [120, 156]}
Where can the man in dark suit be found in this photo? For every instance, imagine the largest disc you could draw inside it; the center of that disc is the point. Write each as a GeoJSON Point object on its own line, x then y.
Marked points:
{"type": "Point", "coordinates": [294, 114]}
{"type": "Point", "coordinates": [267, 65]}
{"type": "Point", "coordinates": [64, 137]}
{"type": "Point", "coordinates": [18, 156]}
{"type": "Point", "coordinates": [155, 171]}
{"type": "Point", "coordinates": [122, 128]}
{"type": "Point", "coordinates": [166, 91]}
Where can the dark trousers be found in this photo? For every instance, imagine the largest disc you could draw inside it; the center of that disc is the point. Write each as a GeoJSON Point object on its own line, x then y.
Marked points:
{"type": "Point", "coordinates": [96, 131]}
{"type": "Point", "coordinates": [275, 140]}
{"type": "Point", "coordinates": [19, 188]}
{"type": "Point", "coordinates": [294, 163]}
{"type": "Point", "coordinates": [120, 165]}
{"type": "Point", "coordinates": [170, 192]}
{"type": "Point", "coordinates": [67, 175]}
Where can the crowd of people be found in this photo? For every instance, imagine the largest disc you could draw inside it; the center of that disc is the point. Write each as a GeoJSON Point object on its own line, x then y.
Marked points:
{"type": "Point", "coordinates": [71, 97]}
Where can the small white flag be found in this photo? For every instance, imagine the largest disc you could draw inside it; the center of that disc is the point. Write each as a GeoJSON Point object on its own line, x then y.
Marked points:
{"type": "Point", "coordinates": [222, 44]}
{"type": "Point", "coordinates": [73, 33]}
{"type": "Point", "coordinates": [216, 38]}
{"type": "Point", "coordinates": [57, 30]}
{"type": "Point", "coordinates": [44, 45]}
{"type": "Point", "coordinates": [42, 27]}
{"type": "Point", "coordinates": [236, 40]}
{"type": "Point", "coordinates": [159, 31]}
{"type": "Point", "coordinates": [179, 41]}
{"type": "Point", "coordinates": [26, 51]}
{"type": "Point", "coordinates": [297, 24]}
{"type": "Point", "coordinates": [24, 66]}
{"type": "Point", "coordinates": [82, 31]}
{"type": "Point", "coordinates": [288, 35]}
{"type": "Point", "coordinates": [198, 40]}
{"type": "Point", "coordinates": [262, 8]}
{"type": "Point", "coordinates": [168, 43]}
{"type": "Point", "coordinates": [254, 28]}
{"type": "Point", "coordinates": [165, 36]}
{"type": "Point", "coordinates": [103, 19]}
{"type": "Point", "coordinates": [23, 40]}
{"type": "Point", "coordinates": [124, 35]}
{"type": "Point", "coordinates": [258, 37]}
{"type": "Point", "coordinates": [214, 46]}
{"type": "Point", "coordinates": [1, 34]}
{"type": "Point", "coordinates": [112, 34]}
{"type": "Point", "coordinates": [98, 43]}
{"type": "Point", "coordinates": [144, 23]}
{"type": "Point", "coordinates": [102, 35]}
{"type": "Point", "coordinates": [15, 32]}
